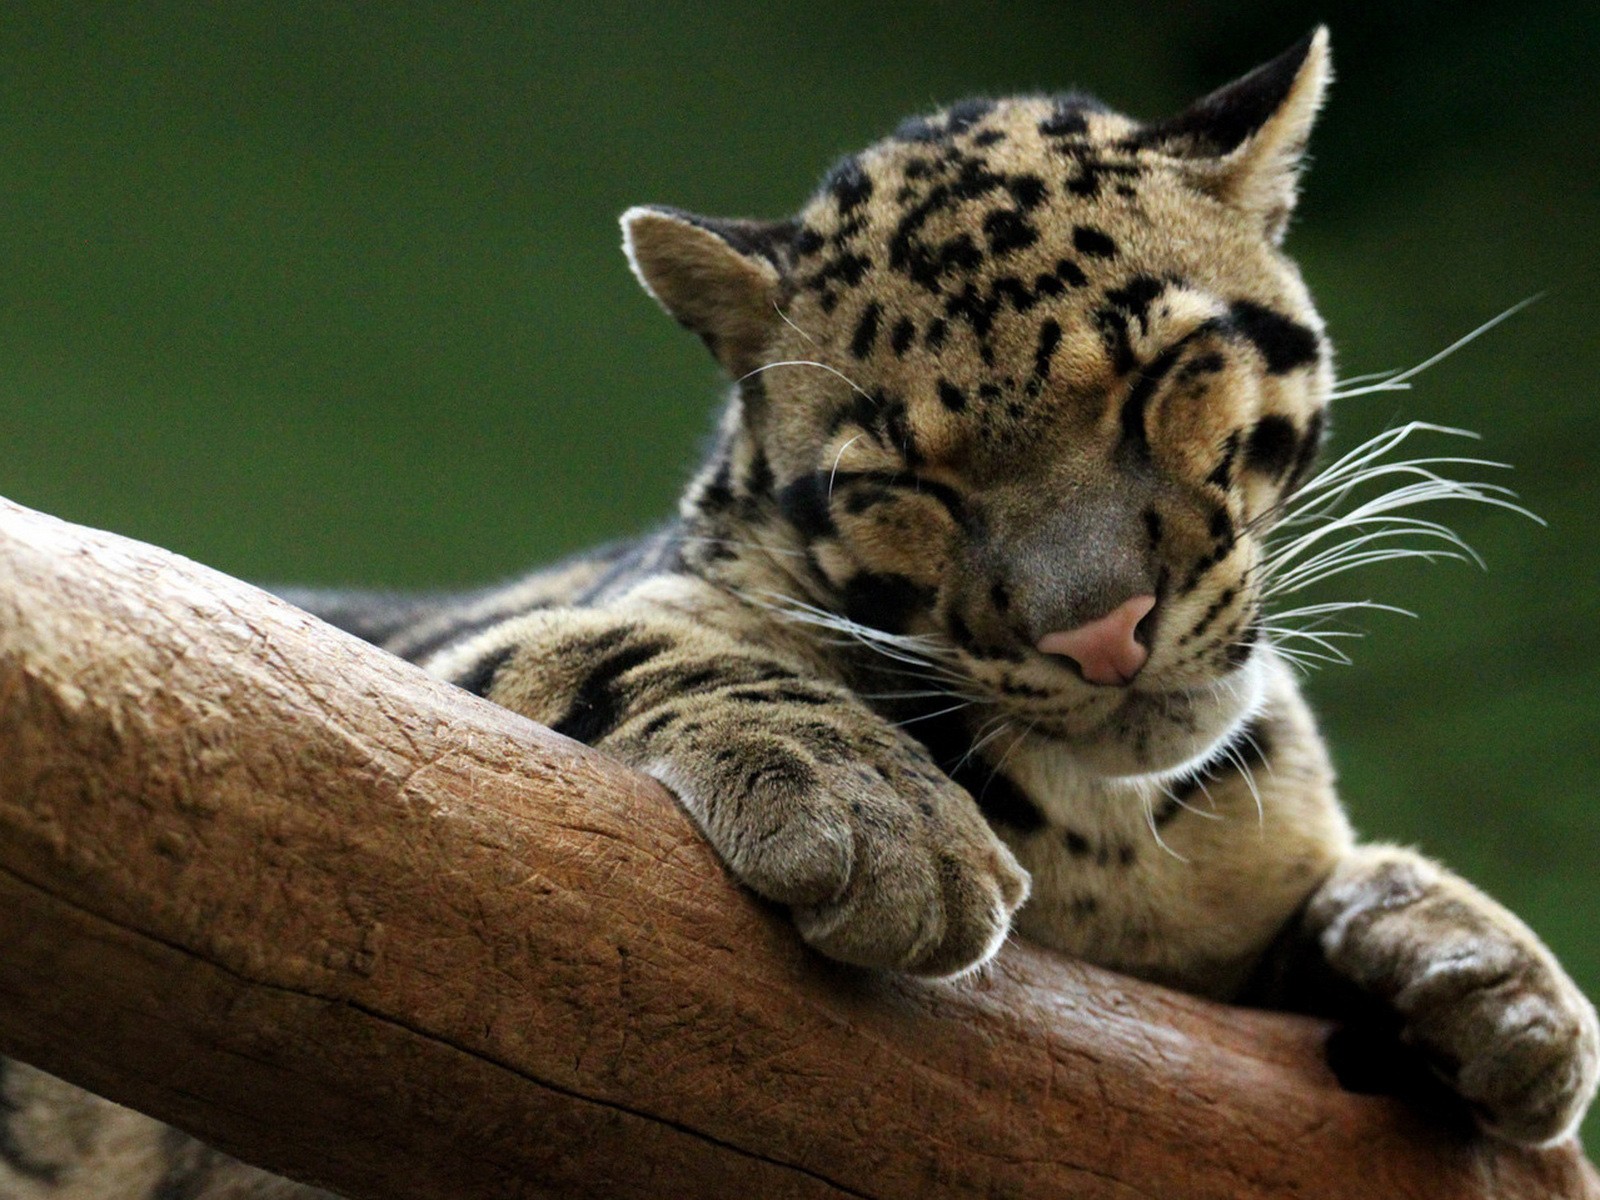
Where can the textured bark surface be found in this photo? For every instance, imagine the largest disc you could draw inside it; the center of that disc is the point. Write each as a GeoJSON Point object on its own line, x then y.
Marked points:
{"type": "Point", "coordinates": [344, 921]}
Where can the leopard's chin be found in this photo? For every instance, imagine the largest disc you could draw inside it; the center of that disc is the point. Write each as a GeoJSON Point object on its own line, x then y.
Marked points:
{"type": "Point", "coordinates": [1148, 730]}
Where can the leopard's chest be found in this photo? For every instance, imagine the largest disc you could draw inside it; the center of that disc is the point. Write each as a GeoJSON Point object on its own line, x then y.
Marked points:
{"type": "Point", "coordinates": [1124, 878]}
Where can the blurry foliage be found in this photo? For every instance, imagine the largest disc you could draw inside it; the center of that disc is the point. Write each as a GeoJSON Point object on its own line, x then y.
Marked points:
{"type": "Point", "coordinates": [327, 293]}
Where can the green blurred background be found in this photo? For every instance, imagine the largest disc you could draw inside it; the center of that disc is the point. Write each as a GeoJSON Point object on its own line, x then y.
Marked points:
{"type": "Point", "coordinates": [331, 293]}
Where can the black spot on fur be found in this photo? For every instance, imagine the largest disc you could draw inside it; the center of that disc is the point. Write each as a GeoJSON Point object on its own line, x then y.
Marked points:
{"type": "Point", "coordinates": [1092, 173]}
{"type": "Point", "coordinates": [717, 493]}
{"type": "Point", "coordinates": [1093, 242]}
{"type": "Point", "coordinates": [850, 185]}
{"type": "Point", "coordinates": [1136, 296]}
{"type": "Point", "coordinates": [988, 137]}
{"type": "Point", "coordinates": [964, 114]}
{"type": "Point", "coordinates": [1285, 344]}
{"type": "Point", "coordinates": [1049, 339]}
{"type": "Point", "coordinates": [883, 601]}
{"type": "Point", "coordinates": [905, 332]}
{"type": "Point", "coordinates": [866, 330]}
{"type": "Point", "coordinates": [1222, 474]}
{"type": "Point", "coordinates": [758, 478]}
{"type": "Point", "coordinates": [807, 242]}
{"type": "Point", "coordinates": [847, 269]}
{"type": "Point", "coordinates": [918, 129]}
{"type": "Point", "coordinates": [1070, 123]}
{"type": "Point", "coordinates": [934, 337]}
{"type": "Point", "coordinates": [958, 180]}
{"type": "Point", "coordinates": [951, 396]}
{"type": "Point", "coordinates": [479, 677]}
{"type": "Point", "coordinates": [1008, 231]}
{"type": "Point", "coordinates": [1066, 119]}
{"type": "Point", "coordinates": [805, 503]}
{"type": "Point", "coordinates": [1028, 191]}
{"type": "Point", "coordinates": [1077, 845]}
{"type": "Point", "coordinates": [1070, 273]}
{"type": "Point", "coordinates": [1272, 445]}
{"type": "Point", "coordinates": [1152, 528]}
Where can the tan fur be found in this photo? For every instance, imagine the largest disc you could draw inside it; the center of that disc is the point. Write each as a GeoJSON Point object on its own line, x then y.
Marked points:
{"type": "Point", "coordinates": [1010, 368]}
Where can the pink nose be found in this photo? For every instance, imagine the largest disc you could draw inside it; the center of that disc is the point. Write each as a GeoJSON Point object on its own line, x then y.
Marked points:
{"type": "Point", "coordinates": [1105, 649]}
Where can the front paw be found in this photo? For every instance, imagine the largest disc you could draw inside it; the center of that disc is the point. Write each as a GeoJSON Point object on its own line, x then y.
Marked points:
{"type": "Point", "coordinates": [885, 862]}
{"type": "Point", "coordinates": [1477, 992]}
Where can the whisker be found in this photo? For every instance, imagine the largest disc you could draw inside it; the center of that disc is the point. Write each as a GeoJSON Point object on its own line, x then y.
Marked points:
{"type": "Point", "coordinates": [930, 716]}
{"type": "Point", "coordinates": [784, 317]}
{"type": "Point", "coordinates": [807, 362]}
{"type": "Point", "coordinates": [1150, 821]}
{"type": "Point", "coordinates": [1400, 380]}
{"type": "Point", "coordinates": [1233, 755]}
{"type": "Point", "coordinates": [839, 457]}
{"type": "Point", "coordinates": [1004, 722]}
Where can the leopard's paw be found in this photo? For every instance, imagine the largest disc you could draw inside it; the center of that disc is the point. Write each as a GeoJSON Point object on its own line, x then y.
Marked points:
{"type": "Point", "coordinates": [1476, 991]}
{"type": "Point", "coordinates": [885, 862]}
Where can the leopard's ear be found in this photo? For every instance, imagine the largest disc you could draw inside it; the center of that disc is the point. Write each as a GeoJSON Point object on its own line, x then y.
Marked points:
{"type": "Point", "coordinates": [720, 279]}
{"type": "Point", "coordinates": [1246, 140]}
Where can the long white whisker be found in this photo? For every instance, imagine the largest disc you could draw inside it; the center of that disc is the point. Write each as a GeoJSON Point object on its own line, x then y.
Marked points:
{"type": "Point", "coordinates": [930, 716]}
{"type": "Point", "coordinates": [837, 458]}
{"type": "Point", "coordinates": [1367, 558]}
{"type": "Point", "coordinates": [785, 318]}
{"type": "Point", "coordinates": [1399, 381]}
{"type": "Point", "coordinates": [807, 362]}
{"type": "Point", "coordinates": [1004, 722]}
{"type": "Point", "coordinates": [1334, 606]}
{"type": "Point", "coordinates": [1367, 378]}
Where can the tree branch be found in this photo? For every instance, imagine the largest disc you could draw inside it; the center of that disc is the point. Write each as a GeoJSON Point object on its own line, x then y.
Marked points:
{"type": "Point", "coordinates": [289, 893]}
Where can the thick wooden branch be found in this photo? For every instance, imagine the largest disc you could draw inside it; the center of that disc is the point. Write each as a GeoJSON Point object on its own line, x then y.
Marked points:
{"type": "Point", "coordinates": [344, 921]}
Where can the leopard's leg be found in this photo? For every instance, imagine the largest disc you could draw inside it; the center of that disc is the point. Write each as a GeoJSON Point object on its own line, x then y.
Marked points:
{"type": "Point", "coordinates": [810, 798]}
{"type": "Point", "coordinates": [1470, 986]}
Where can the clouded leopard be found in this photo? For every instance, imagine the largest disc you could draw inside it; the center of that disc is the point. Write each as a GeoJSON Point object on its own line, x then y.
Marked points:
{"type": "Point", "coordinates": [968, 623]}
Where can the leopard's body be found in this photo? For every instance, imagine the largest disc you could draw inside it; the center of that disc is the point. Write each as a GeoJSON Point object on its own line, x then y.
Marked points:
{"type": "Point", "coordinates": [1014, 365]}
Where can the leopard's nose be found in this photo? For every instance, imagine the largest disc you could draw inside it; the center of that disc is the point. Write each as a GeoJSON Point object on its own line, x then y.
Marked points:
{"type": "Point", "coordinates": [1105, 649]}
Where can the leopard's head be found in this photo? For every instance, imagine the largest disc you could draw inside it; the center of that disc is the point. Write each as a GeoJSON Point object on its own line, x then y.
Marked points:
{"type": "Point", "coordinates": [1029, 381]}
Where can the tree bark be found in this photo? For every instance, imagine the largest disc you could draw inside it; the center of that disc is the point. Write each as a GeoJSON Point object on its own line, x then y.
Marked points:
{"type": "Point", "coordinates": [344, 921]}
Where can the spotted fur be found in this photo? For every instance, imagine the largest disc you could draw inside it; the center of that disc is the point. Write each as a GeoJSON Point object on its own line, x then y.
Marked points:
{"type": "Point", "coordinates": [1016, 362]}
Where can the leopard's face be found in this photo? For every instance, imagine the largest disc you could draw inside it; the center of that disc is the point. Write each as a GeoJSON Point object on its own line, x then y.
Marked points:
{"type": "Point", "coordinates": [1035, 370]}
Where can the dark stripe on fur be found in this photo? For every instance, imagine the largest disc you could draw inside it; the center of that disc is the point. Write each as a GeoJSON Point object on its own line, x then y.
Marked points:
{"type": "Point", "coordinates": [479, 677]}
{"type": "Point", "coordinates": [598, 707]}
{"type": "Point", "coordinates": [1000, 800]}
